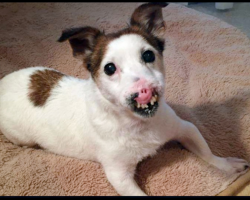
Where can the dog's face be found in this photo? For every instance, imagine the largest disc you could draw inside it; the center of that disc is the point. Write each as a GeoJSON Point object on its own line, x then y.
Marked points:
{"type": "Point", "coordinates": [131, 74]}
{"type": "Point", "coordinates": [127, 66]}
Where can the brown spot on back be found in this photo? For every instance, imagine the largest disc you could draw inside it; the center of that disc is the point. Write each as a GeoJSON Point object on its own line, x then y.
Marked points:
{"type": "Point", "coordinates": [41, 84]}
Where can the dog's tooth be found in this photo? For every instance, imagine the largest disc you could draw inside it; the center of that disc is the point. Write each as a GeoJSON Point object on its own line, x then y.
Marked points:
{"type": "Point", "coordinates": [143, 106]}
{"type": "Point", "coordinates": [154, 99]}
{"type": "Point", "coordinates": [138, 105]}
{"type": "Point", "coordinates": [152, 102]}
{"type": "Point", "coordinates": [146, 106]}
{"type": "Point", "coordinates": [156, 96]}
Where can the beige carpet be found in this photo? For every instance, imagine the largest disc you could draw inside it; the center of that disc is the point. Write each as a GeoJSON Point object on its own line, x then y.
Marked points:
{"type": "Point", "coordinates": [208, 83]}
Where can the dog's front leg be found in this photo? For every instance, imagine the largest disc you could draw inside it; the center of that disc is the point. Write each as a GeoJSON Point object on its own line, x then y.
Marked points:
{"type": "Point", "coordinates": [190, 137]}
{"type": "Point", "coordinates": [121, 177]}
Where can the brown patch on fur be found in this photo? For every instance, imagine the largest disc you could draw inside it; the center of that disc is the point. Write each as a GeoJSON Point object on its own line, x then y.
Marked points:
{"type": "Point", "coordinates": [97, 55]}
{"type": "Point", "coordinates": [41, 83]}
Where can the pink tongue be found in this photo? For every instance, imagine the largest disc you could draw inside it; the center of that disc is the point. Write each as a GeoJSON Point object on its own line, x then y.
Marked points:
{"type": "Point", "coordinates": [144, 96]}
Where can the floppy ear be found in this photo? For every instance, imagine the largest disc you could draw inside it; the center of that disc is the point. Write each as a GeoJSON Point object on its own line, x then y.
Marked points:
{"type": "Point", "coordinates": [149, 17]}
{"type": "Point", "coordinates": [82, 41]}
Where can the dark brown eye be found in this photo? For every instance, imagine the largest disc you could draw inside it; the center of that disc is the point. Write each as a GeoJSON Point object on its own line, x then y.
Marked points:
{"type": "Point", "coordinates": [109, 69]}
{"type": "Point", "coordinates": [148, 56]}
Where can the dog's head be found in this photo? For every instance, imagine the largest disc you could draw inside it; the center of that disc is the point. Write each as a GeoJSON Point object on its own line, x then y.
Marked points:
{"type": "Point", "coordinates": [127, 66]}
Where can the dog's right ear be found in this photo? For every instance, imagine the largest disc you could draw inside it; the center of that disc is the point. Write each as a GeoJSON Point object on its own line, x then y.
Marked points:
{"type": "Point", "coordinates": [82, 40]}
{"type": "Point", "coordinates": [149, 17]}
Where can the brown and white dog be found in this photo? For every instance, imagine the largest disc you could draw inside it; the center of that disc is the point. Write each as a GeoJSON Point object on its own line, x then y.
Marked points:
{"type": "Point", "coordinates": [118, 116]}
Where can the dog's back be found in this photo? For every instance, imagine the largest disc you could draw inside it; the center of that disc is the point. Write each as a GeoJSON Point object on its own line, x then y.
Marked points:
{"type": "Point", "coordinates": [45, 118]}
{"type": "Point", "coordinates": [14, 104]}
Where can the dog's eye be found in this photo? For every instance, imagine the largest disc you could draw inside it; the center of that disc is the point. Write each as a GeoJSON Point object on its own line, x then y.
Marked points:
{"type": "Point", "coordinates": [148, 56]}
{"type": "Point", "coordinates": [109, 69]}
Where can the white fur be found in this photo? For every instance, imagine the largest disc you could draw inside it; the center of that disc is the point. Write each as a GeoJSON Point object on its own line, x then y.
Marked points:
{"type": "Point", "coordinates": [91, 121]}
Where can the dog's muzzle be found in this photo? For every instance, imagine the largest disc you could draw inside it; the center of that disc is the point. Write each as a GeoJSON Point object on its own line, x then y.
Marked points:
{"type": "Point", "coordinates": [145, 102]}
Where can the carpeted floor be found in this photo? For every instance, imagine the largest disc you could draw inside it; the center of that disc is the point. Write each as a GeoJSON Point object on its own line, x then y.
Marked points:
{"type": "Point", "coordinates": [207, 82]}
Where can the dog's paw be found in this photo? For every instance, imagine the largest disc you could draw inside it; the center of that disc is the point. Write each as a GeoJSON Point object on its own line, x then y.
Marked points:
{"type": "Point", "coordinates": [232, 165]}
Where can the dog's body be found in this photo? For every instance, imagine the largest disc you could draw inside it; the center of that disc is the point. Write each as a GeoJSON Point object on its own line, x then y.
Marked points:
{"type": "Point", "coordinates": [77, 121]}
{"type": "Point", "coordinates": [117, 117]}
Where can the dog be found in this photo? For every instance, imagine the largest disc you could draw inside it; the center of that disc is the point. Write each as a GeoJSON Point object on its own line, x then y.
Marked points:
{"type": "Point", "coordinates": [118, 116]}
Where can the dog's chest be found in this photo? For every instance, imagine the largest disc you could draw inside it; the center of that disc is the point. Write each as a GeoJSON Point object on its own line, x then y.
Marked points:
{"type": "Point", "coordinates": [144, 143]}
{"type": "Point", "coordinates": [134, 142]}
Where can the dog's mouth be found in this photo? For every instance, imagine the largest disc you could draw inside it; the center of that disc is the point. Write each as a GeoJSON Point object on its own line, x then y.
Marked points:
{"type": "Point", "coordinates": [147, 109]}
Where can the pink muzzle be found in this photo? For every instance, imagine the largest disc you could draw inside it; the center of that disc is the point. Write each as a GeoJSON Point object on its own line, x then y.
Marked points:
{"type": "Point", "coordinates": [145, 96]}
{"type": "Point", "coordinates": [145, 91]}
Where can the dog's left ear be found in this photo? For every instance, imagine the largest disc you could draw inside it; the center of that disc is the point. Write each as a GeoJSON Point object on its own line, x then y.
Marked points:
{"type": "Point", "coordinates": [149, 17]}
{"type": "Point", "coordinates": [82, 40]}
